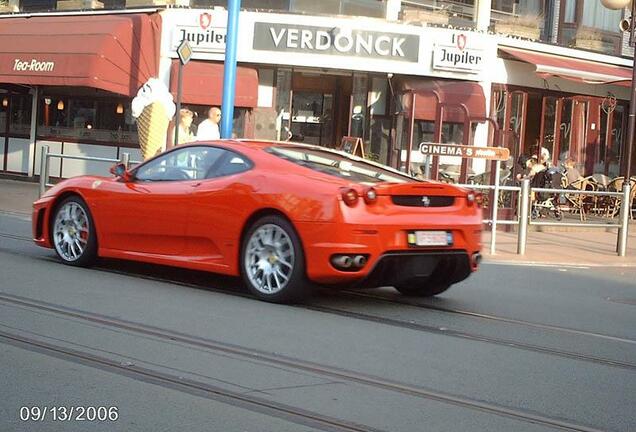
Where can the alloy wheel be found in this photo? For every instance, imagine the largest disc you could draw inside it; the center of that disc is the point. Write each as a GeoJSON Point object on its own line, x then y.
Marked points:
{"type": "Point", "coordinates": [269, 259]}
{"type": "Point", "coordinates": [71, 231]}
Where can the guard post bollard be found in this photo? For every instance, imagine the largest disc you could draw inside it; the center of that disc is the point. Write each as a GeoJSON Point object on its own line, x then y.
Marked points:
{"type": "Point", "coordinates": [125, 159]}
{"type": "Point", "coordinates": [44, 170]}
{"type": "Point", "coordinates": [625, 210]}
{"type": "Point", "coordinates": [495, 206]}
{"type": "Point", "coordinates": [524, 205]}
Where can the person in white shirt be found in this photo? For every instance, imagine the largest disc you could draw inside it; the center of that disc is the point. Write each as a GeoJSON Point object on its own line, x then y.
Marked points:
{"type": "Point", "coordinates": [209, 128]}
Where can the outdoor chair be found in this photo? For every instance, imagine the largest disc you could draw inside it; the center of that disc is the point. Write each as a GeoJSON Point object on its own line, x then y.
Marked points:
{"type": "Point", "coordinates": [578, 203]}
{"type": "Point", "coordinates": [614, 203]}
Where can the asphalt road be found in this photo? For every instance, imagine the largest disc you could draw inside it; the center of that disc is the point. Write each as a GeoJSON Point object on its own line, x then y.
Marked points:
{"type": "Point", "coordinates": [513, 348]}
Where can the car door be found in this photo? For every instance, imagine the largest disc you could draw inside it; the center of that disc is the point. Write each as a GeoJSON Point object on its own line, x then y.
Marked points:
{"type": "Point", "coordinates": [219, 204]}
{"type": "Point", "coordinates": [149, 214]}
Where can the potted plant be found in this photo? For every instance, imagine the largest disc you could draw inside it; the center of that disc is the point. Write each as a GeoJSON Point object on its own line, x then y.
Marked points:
{"type": "Point", "coordinates": [525, 26]}
{"type": "Point", "coordinates": [8, 6]}
{"type": "Point", "coordinates": [413, 15]}
{"type": "Point", "coordinates": [79, 4]}
{"type": "Point", "coordinates": [137, 3]}
{"type": "Point", "coordinates": [593, 40]}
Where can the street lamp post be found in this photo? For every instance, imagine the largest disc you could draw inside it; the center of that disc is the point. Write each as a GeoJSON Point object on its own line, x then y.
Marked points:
{"type": "Point", "coordinates": [628, 25]}
{"type": "Point", "coordinates": [229, 69]}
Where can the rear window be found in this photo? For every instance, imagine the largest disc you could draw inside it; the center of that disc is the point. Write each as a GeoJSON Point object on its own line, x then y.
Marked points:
{"type": "Point", "coordinates": [337, 165]}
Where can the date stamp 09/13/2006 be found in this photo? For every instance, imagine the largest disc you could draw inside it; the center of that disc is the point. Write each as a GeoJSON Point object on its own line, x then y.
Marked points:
{"type": "Point", "coordinates": [69, 413]}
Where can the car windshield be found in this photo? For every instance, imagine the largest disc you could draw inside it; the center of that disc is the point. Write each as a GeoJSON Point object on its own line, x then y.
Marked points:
{"type": "Point", "coordinates": [338, 165]}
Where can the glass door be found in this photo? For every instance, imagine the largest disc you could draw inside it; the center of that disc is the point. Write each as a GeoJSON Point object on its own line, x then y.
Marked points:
{"type": "Point", "coordinates": [312, 117]}
{"type": "Point", "coordinates": [549, 131]}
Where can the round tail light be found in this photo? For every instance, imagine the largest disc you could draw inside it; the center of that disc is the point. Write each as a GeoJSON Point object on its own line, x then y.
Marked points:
{"type": "Point", "coordinates": [349, 196]}
{"type": "Point", "coordinates": [370, 195]}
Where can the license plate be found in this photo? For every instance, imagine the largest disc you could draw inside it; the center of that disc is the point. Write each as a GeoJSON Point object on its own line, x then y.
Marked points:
{"type": "Point", "coordinates": [432, 238]}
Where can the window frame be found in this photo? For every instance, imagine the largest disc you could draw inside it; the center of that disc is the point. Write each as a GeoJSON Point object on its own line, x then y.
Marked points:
{"type": "Point", "coordinates": [615, 37]}
{"type": "Point", "coordinates": [227, 153]}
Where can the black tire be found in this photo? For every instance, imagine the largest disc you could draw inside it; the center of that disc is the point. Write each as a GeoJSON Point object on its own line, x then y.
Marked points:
{"type": "Point", "coordinates": [88, 256]}
{"type": "Point", "coordinates": [535, 213]}
{"type": "Point", "coordinates": [419, 289]}
{"type": "Point", "coordinates": [297, 287]}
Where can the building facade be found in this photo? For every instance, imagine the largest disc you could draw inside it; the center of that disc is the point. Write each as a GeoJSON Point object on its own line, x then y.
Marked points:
{"type": "Point", "coordinates": [392, 73]}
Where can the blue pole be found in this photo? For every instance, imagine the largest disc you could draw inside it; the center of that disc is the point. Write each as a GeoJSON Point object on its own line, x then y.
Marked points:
{"type": "Point", "coordinates": [229, 70]}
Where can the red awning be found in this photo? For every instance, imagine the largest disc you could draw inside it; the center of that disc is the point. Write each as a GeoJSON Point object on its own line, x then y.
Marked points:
{"type": "Point", "coordinates": [116, 53]}
{"type": "Point", "coordinates": [572, 69]}
{"type": "Point", "coordinates": [457, 97]}
{"type": "Point", "coordinates": [203, 84]}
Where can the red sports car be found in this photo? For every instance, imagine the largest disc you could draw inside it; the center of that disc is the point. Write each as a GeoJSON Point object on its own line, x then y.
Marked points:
{"type": "Point", "coordinates": [283, 216]}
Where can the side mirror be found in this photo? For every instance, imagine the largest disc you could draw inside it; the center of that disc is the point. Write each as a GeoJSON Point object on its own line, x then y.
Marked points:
{"type": "Point", "coordinates": [119, 170]}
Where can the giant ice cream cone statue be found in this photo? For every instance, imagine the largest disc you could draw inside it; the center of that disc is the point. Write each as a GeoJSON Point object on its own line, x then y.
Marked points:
{"type": "Point", "coordinates": [153, 108]}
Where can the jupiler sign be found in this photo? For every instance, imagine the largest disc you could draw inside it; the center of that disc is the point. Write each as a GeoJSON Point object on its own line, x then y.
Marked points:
{"type": "Point", "coordinates": [458, 56]}
{"type": "Point", "coordinates": [208, 35]}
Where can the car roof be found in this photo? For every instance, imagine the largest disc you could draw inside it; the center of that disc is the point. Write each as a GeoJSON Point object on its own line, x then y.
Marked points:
{"type": "Point", "coordinates": [260, 144]}
{"type": "Point", "coordinates": [256, 143]}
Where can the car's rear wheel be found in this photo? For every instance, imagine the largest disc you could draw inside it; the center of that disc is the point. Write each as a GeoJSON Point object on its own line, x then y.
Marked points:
{"type": "Point", "coordinates": [422, 289]}
{"type": "Point", "coordinates": [273, 262]}
{"type": "Point", "coordinates": [73, 232]}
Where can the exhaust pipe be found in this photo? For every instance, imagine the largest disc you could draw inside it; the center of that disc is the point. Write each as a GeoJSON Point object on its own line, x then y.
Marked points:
{"type": "Point", "coordinates": [359, 261]}
{"type": "Point", "coordinates": [342, 261]}
{"type": "Point", "coordinates": [476, 259]}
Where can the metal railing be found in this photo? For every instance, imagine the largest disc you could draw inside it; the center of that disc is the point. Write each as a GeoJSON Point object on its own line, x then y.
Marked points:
{"type": "Point", "coordinates": [494, 220]}
{"type": "Point", "coordinates": [524, 207]}
{"type": "Point", "coordinates": [46, 156]}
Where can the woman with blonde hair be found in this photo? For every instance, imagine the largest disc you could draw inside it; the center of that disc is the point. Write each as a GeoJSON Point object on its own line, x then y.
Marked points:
{"type": "Point", "coordinates": [185, 128]}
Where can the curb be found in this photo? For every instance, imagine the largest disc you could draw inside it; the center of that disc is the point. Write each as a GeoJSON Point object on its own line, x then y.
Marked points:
{"type": "Point", "coordinates": [580, 265]}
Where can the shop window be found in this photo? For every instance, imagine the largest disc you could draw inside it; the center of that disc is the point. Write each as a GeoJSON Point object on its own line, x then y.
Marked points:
{"type": "Point", "coordinates": [450, 166]}
{"type": "Point", "coordinates": [312, 118]}
{"type": "Point", "coordinates": [378, 136]}
{"type": "Point", "coordinates": [114, 4]}
{"type": "Point", "coordinates": [379, 139]}
{"type": "Point", "coordinates": [86, 119]}
{"type": "Point", "coordinates": [238, 121]}
{"type": "Point", "coordinates": [369, 8]}
{"type": "Point", "coordinates": [4, 112]}
{"type": "Point", "coordinates": [524, 18]}
{"type": "Point", "coordinates": [37, 5]}
{"type": "Point", "coordinates": [20, 115]}
{"type": "Point", "coordinates": [378, 96]}
{"type": "Point", "coordinates": [549, 123]}
{"type": "Point", "coordinates": [618, 127]}
{"type": "Point", "coordinates": [245, 4]}
{"type": "Point", "coordinates": [587, 24]}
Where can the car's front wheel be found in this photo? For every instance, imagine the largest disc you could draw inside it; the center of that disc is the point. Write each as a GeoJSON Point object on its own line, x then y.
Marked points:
{"type": "Point", "coordinates": [73, 232]}
{"type": "Point", "coordinates": [273, 262]}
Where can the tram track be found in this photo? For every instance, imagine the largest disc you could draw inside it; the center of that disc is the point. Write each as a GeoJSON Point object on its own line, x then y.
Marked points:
{"type": "Point", "coordinates": [488, 317]}
{"type": "Point", "coordinates": [16, 237]}
{"type": "Point", "coordinates": [410, 324]}
{"type": "Point", "coordinates": [263, 357]}
{"type": "Point", "coordinates": [196, 387]}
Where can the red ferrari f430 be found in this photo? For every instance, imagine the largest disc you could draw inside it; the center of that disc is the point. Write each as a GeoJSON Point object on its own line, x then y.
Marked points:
{"type": "Point", "coordinates": [282, 216]}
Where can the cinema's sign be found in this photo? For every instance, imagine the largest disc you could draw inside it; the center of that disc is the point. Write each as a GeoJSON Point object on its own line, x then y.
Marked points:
{"type": "Point", "coordinates": [467, 152]}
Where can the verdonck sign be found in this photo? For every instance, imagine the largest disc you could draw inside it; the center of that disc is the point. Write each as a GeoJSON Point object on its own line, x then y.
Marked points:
{"type": "Point", "coordinates": [336, 41]}
{"type": "Point", "coordinates": [467, 152]}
